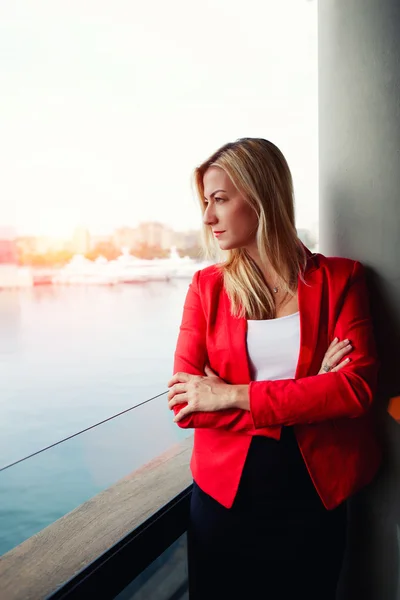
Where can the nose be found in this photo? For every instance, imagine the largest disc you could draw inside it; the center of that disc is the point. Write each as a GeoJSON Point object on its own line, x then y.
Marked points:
{"type": "Point", "coordinates": [209, 216]}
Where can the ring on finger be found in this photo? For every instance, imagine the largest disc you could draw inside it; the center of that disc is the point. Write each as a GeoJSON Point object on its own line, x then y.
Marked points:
{"type": "Point", "coordinates": [326, 368]}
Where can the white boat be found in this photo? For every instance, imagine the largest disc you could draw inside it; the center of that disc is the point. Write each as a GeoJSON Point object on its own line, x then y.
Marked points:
{"type": "Point", "coordinates": [178, 267]}
{"type": "Point", "coordinates": [130, 269]}
{"type": "Point", "coordinates": [82, 271]}
{"type": "Point", "coordinates": [126, 269]}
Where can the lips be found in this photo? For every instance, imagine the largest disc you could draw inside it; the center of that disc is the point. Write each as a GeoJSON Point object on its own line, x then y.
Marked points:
{"type": "Point", "coordinates": [218, 232]}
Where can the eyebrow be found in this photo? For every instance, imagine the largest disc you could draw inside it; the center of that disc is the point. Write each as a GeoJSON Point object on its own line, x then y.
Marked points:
{"type": "Point", "coordinates": [216, 192]}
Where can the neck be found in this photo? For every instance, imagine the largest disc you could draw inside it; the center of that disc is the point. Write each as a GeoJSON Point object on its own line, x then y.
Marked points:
{"type": "Point", "coordinates": [266, 268]}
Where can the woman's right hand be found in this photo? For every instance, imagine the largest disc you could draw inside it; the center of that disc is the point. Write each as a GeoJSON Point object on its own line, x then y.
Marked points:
{"type": "Point", "coordinates": [332, 361]}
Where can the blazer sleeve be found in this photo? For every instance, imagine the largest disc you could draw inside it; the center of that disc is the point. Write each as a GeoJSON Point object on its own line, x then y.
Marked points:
{"type": "Point", "coordinates": [191, 356]}
{"type": "Point", "coordinates": [346, 393]}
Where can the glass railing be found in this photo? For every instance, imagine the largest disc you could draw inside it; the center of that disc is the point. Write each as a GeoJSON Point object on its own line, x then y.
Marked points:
{"type": "Point", "coordinates": [46, 486]}
{"type": "Point", "coordinates": [72, 357]}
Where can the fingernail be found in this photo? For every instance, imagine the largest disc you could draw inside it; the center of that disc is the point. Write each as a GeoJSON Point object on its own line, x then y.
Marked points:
{"type": "Point", "coordinates": [346, 341]}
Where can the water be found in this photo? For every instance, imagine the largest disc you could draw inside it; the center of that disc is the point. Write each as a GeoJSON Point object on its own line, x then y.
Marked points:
{"type": "Point", "coordinates": [70, 357]}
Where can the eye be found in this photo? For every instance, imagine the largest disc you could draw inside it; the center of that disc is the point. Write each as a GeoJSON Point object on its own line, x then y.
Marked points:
{"type": "Point", "coordinates": [218, 199]}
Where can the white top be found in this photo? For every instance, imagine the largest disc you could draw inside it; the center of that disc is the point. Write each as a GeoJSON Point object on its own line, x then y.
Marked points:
{"type": "Point", "coordinates": [273, 347]}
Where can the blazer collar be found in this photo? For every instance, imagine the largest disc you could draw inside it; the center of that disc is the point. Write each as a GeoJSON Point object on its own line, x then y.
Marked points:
{"type": "Point", "coordinates": [310, 300]}
{"type": "Point", "coordinates": [312, 263]}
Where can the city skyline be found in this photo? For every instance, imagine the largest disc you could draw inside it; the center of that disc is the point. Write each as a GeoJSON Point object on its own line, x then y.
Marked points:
{"type": "Point", "coordinates": [11, 232]}
{"type": "Point", "coordinates": [108, 107]}
{"type": "Point", "coordinates": [7, 230]}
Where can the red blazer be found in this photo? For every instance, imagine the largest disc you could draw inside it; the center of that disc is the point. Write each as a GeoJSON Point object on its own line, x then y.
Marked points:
{"type": "Point", "coordinates": [329, 412]}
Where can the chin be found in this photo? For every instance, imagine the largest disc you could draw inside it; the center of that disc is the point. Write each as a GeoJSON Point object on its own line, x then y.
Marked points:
{"type": "Point", "coordinates": [225, 245]}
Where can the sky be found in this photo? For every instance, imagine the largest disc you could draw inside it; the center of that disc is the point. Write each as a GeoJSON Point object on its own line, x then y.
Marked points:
{"type": "Point", "coordinates": [106, 107]}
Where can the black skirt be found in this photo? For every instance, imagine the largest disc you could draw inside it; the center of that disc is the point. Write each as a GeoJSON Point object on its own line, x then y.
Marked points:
{"type": "Point", "coordinates": [276, 542]}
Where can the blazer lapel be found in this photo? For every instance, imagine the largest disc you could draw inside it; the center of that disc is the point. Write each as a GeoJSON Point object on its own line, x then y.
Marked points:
{"type": "Point", "coordinates": [238, 363]}
{"type": "Point", "coordinates": [309, 298]}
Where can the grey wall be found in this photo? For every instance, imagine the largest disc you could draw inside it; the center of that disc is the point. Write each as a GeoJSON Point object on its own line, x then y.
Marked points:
{"type": "Point", "coordinates": [359, 120]}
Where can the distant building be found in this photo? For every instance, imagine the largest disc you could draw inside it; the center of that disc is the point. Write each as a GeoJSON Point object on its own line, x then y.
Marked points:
{"type": "Point", "coordinates": [45, 244]}
{"type": "Point", "coordinates": [151, 234]}
{"type": "Point", "coordinates": [8, 246]}
{"type": "Point", "coordinates": [167, 238]}
{"type": "Point", "coordinates": [187, 239]}
{"type": "Point", "coordinates": [126, 237]}
{"type": "Point", "coordinates": [81, 240]}
{"type": "Point", "coordinates": [11, 276]}
{"type": "Point", "coordinates": [96, 240]}
{"type": "Point", "coordinates": [26, 244]}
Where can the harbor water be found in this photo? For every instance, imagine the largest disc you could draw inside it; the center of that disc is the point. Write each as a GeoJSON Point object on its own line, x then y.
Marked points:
{"type": "Point", "coordinates": [71, 357]}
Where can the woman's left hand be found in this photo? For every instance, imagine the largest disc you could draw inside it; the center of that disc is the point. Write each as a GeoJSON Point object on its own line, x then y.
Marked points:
{"type": "Point", "coordinates": [202, 393]}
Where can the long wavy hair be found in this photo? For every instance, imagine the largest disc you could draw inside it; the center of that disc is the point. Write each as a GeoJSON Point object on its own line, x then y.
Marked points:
{"type": "Point", "coordinates": [260, 172]}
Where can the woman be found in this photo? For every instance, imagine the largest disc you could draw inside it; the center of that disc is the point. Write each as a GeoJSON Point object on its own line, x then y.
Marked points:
{"type": "Point", "coordinates": [275, 369]}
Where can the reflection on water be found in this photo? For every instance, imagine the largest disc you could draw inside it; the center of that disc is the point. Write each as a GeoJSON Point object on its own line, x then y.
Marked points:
{"type": "Point", "coordinates": [10, 320]}
{"type": "Point", "coordinates": [71, 357]}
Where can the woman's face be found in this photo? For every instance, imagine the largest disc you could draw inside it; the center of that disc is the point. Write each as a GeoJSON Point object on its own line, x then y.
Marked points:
{"type": "Point", "coordinates": [232, 220]}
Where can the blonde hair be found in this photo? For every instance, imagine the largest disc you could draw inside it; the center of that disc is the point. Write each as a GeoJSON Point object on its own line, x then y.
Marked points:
{"type": "Point", "coordinates": [260, 172]}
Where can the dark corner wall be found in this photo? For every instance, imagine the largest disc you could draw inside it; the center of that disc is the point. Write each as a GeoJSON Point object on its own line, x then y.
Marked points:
{"type": "Point", "coordinates": [359, 123]}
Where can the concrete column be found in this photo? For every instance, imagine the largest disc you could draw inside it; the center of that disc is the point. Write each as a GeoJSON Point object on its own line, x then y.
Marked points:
{"type": "Point", "coordinates": [359, 120]}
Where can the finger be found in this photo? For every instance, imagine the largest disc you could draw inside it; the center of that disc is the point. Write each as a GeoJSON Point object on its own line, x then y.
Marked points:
{"type": "Point", "coordinates": [338, 346]}
{"type": "Point", "coordinates": [341, 365]}
{"type": "Point", "coordinates": [182, 414]}
{"type": "Point", "coordinates": [333, 343]}
{"type": "Point", "coordinates": [179, 378]}
{"type": "Point", "coordinates": [337, 357]}
{"type": "Point", "coordinates": [177, 388]}
{"type": "Point", "coordinates": [209, 372]}
{"type": "Point", "coordinates": [178, 399]}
